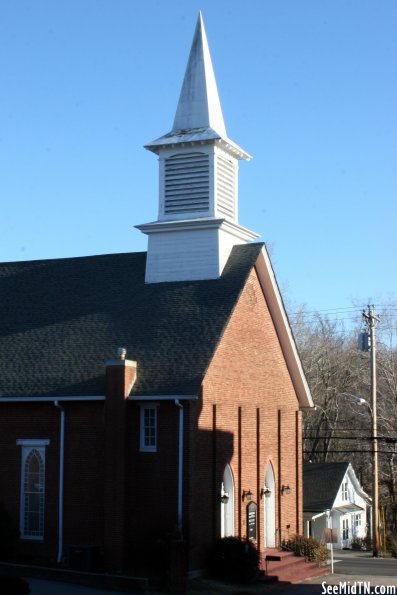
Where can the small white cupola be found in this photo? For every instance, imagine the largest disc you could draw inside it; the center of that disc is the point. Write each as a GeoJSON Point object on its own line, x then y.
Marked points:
{"type": "Point", "coordinates": [197, 222]}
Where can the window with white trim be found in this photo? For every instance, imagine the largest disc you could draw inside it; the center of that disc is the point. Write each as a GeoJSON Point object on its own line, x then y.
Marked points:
{"type": "Point", "coordinates": [345, 529]}
{"type": "Point", "coordinates": [148, 428]}
{"type": "Point", "coordinates": [344, 490]}
{"type": "Point", "coordinates": [32, 489]}
{"type": "Point", "coordinates": [357, 520]}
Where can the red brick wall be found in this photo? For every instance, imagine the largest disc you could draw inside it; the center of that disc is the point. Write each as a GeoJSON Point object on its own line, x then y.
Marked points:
{"type": "Point", "coordinates": [152, 487]}
{"type": "Point", "coordinates": [84, 474]}
{"type": "Point", "coordinates": [248, 402]}
{"type": "Point", "coordinates": [83, 503]}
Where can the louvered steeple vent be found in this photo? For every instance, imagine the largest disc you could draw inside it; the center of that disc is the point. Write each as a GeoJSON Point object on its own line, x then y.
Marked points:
{"type": "Point", "coordinates": [186, 183]}
{"type": "Point", "coordinates": [197, 221]}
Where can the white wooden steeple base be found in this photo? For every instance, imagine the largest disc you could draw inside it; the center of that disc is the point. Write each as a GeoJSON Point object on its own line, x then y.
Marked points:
{"type": "Point", "coordinates": [191, 250]}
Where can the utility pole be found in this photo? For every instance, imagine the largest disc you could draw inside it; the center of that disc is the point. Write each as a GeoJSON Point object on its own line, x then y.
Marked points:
{"type": "Point", "coordinates": [370, 320]}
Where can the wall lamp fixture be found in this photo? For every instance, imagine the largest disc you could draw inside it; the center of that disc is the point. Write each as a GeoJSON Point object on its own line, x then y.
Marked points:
{"type": "Point", "coordinates": [286, 489]}
{"type": "Point", "coordinates": [266, 492]}
{"type": "Point", "coordinates": [247, 495]}
{"type": "Point", "coordinates": [224, 497]}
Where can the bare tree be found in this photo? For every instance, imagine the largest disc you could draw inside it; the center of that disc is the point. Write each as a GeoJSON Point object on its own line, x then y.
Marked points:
{"type": "Point", "coordinates": [337, 372]}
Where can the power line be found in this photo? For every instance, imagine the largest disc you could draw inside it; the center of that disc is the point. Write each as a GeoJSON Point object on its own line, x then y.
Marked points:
{"type": "Point", "coordinates": [384, 438]}
{"type": "Point", "coordinates": [343, 309]}
{"type": "Point", "coordinates": [339, 309]}
{"type": "Point", "coordinates": [321, 452]}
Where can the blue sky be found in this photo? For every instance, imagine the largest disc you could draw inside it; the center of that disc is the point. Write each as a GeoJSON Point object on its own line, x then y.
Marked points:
{"type": "Point", "coordinates": [308, 87]}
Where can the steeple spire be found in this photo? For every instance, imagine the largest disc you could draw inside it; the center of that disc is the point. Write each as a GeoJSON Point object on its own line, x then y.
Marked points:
{"type": "Point", "coordinates": [197, 223]}
{"type": "Point", "coordinates": [199, 105]}
{"type": "Point", "coordinates": [198, 115]}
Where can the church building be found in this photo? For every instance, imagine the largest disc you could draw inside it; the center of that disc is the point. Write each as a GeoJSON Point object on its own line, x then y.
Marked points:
{"type": "Point", "coordinates": [144, 394]}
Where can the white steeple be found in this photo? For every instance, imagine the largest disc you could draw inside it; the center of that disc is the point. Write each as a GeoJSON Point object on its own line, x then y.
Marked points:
{"type": "Point", "coordinates": [199, 105]}
{"type": "Point", "coordinates": [197, 221]}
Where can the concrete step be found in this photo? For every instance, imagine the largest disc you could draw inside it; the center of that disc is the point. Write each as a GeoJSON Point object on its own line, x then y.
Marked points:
{"type": "Point", "coordinates": [285, 562]}
{"type": "Point", "coordinates": [289, 567]}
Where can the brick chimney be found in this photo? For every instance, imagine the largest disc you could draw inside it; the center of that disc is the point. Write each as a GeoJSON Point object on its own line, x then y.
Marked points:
{"type": "Point", "coordinates": [120, 378]}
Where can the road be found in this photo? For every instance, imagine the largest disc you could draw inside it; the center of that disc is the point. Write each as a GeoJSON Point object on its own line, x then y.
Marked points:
{"type": "Point", "coordinates": [355, 573]}
{"type": "Point", "coordinates": [362, 563]}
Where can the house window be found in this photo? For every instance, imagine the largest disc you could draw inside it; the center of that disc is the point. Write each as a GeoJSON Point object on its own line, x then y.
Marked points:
{"type": "Point", "coordinates": [357, 520]}
{"type": "Point", "coordinates": [148, 432]}
{"type": "Point", "coordinates": [32, 489]}
{"type": "Point", "coordinates": [345, 529]}
{"type": "Point", "coordinates": [344, 490]}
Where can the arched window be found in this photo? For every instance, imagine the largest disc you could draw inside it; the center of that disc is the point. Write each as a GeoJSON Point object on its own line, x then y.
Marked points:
{"type": "Point", "coordinates": [32, 492]}
{"type": "Point", "coordinates": [227, 503]}
{"type": "Point", "coordinates": [269, 503]}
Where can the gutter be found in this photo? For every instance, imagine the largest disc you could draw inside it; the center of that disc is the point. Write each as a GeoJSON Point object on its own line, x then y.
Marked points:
{"type": "Point", "coordinates": [49, 399]}
{"type": "Point", "coordinates": [61, 476]}
{"type": "Point", "coordinates": [180, 465]}
{"type": "Point", "coordinates": [175, 398]}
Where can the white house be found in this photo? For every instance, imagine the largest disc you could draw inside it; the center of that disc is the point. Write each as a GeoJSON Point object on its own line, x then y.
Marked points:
{"type": "Point", "coordinates": [334, 498]}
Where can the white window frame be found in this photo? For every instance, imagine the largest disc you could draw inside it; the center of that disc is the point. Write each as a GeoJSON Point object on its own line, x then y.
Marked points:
{"type": "Point", "coordinates": [344, 491]}
{"type": "Point", "coordinates": [144, 438]}
{"type": "Point", "coordinates": [358, 520]}
{"type": "Point", "coordinates": [345, 529]}
{"type": "Point", "coordinates": [28, 446]}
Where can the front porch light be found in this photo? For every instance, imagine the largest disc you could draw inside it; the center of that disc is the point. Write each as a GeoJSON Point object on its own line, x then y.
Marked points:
{"type": "Point", "coordinates": [286, 489]}
{"type": "Point", "coordinates": [247, 495]}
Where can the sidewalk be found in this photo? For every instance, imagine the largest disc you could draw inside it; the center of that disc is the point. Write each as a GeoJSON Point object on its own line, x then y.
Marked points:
{"type": "Point", "coordinates": [383, 574]}
{"type": "Point", "coordinates": [314, 586]}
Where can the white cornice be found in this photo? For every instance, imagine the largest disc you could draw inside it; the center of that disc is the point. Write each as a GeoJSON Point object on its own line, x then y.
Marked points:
{"type": "Point", "coordinates": [234, 229]}
{"type": "Point", "coordinates": [197, 137]}
{"type": "Point", "coordinates": [281, 323]}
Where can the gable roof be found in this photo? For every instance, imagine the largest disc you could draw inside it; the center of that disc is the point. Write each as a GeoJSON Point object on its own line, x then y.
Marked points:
{"type": "Point", "coordinates": [321, 483]}
{"type": "Point", "coordinates": [61, 320]}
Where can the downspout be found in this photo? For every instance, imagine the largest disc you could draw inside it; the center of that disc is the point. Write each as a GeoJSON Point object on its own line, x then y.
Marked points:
{"type": "Point", "coordinates": [61, 466]}
{"type": "Point", "coordinates": [180, 465]}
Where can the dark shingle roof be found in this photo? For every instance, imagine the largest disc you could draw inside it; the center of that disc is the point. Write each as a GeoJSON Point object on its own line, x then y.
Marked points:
{"type": "Point", "coordinates": [61, 320]}
{"type": "Point", "coordinates": [321, 482]}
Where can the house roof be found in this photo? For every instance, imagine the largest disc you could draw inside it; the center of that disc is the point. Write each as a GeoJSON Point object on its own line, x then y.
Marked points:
{"type": "Point", "coordinates": [321, 482]}
{"type": "Point", "coordinates": [61, 320]}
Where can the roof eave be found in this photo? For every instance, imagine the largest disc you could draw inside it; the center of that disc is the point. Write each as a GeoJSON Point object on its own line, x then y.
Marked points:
{"type": "Point", "coordinates": [197, 137]}
{"type": "Point", "coordinates": [283, 328]}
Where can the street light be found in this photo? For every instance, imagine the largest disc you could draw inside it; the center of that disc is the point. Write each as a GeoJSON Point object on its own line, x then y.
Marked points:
{"type": "Point", "coordinates": [362, 401]}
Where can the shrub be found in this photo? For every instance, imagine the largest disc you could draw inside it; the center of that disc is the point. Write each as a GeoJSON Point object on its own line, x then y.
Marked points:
{"type": "Point", "coordinates": [233, 560]}
{"type": "Point", "coordinates": [308, 547]}
{"type": "Point", "coordinates": [359, 543]}
{"type": "Point", "coordinates": [13, 585]}
{"type": "Point", "coordinates": [8, 532]}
